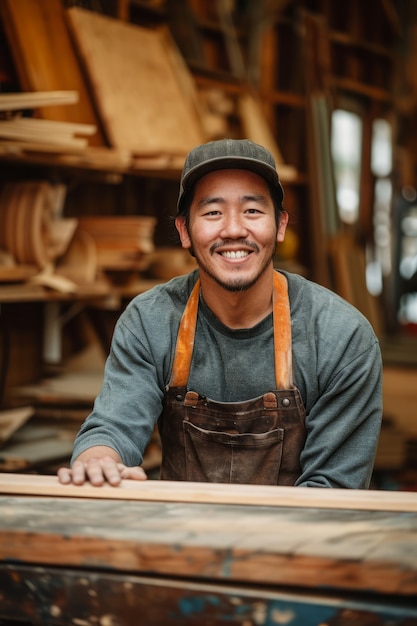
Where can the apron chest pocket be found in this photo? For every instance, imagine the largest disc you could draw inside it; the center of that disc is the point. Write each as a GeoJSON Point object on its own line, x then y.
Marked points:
{"type": "Point", "coordinates": [246, 458]}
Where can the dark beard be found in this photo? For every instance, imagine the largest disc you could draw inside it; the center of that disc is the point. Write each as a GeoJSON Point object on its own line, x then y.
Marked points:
{"type": "Point", "coordinates": [236, 285]}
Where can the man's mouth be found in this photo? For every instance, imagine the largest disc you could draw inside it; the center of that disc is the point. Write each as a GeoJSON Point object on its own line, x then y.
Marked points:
{"type": "Point", "coordinates": [229, 251]}
{"type": "Point", "coordinates": [235, 254]}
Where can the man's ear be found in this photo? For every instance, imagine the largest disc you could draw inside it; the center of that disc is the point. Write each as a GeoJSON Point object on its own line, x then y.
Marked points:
{"type": "Point", "coordinates": [182, 229]}
{"type": "Point", "coordinates": [283, 221]}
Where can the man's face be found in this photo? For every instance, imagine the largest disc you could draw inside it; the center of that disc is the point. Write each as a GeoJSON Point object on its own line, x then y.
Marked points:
{"type": "Point", "coordinates": [232, 228]}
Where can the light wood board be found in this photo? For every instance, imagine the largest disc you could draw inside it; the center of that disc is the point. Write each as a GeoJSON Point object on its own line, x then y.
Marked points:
{"type": "Point", "coordinates": [142, 89]}
{"type": "Point", "coordinates": [251, 495]}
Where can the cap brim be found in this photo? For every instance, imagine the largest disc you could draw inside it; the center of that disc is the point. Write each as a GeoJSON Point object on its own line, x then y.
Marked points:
{"type": "Point", "coordinates": [226, 162]}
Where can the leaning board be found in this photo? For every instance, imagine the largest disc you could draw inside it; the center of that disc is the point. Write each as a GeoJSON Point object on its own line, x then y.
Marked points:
{"type": "Point", "coordinates": [142, 88]}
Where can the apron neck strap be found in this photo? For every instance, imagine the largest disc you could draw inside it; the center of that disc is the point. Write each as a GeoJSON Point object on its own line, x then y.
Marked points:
{"type": "Point", "coordinates": [282, 337]}
{"type": "Point", "coordinates": [282, 333]}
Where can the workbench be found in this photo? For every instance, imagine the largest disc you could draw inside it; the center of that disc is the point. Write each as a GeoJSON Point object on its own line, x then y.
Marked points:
{"type": "Point", "coordinates": [157, 552]}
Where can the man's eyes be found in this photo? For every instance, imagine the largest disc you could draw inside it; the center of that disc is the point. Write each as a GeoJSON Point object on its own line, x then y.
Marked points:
{"type": "Point", "coordinates": [247, 211]}
{"type": "Point", "coordinates": [212, 212]}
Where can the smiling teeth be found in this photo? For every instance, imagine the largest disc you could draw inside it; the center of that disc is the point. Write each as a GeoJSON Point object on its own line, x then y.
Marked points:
{"type": "Point", "coordinates": [235, 254]}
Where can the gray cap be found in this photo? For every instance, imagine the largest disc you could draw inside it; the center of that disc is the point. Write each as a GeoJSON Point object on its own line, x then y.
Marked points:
{"type": "Point", "coordinates": [228, 154]}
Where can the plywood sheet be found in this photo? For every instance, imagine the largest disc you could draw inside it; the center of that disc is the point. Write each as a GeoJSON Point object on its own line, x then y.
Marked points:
{"type": "Point", "coordinates": [142, 88]}
{"type": "Point", "coordinates": [45, 58]}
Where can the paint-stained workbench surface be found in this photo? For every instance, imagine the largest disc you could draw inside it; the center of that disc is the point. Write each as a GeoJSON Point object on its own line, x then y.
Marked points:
{"type": "Point", "coordinates": [66, 559]}
{"type": "Point", "coordinates": [307, 547]}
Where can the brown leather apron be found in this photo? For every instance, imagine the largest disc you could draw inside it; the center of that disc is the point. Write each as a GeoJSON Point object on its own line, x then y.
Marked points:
{"type": "Point", "coordinates": [256, 441]}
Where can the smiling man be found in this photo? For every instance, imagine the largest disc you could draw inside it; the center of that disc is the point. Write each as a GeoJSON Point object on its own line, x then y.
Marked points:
{"type": "Point", "coordinates": [253, 375]}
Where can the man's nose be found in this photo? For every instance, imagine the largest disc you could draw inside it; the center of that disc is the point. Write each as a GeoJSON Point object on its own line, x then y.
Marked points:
{"type": "Point", "coordinates": [233, 227]}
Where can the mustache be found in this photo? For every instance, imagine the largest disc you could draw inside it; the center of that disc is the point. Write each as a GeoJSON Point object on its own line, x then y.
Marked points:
{"type": "Point", "coordinates": [242, 242]}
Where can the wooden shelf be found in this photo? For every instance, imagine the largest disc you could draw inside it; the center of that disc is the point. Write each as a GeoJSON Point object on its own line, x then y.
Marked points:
{"type": "Point", "coordinates": [104, 160]}
{"type": "Point", "coordinates": [215, 76]}
{"type": "Point", "coordinates": [361, 89]}
{"type": "Point", "coordinates": [287, 98]}
{"type": "Point", "coordinates": [344, 39]}
{"type": "Point", "coordinates": [25, 292]}
{"type": "Point", "coordinates": [98, 292]}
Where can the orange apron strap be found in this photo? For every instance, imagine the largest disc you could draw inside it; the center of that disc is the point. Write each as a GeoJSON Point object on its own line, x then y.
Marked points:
{"type": "Point", "coordinates": [282, 334]}
{"type": "Point", "coordinates": [185, 340]}
{"type": "Point", "coordinates": [282, 337]}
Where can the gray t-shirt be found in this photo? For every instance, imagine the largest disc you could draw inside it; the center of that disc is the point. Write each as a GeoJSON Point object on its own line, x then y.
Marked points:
{"type": "Point", "coordinates": [336, 361]}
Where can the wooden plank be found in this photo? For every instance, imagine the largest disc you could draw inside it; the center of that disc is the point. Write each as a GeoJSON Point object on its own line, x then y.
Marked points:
{"type": "Point", "coordinates": [42, 127]}
{"type": "Point", "coordinates": [45, 58]}
{"type": "Point", "coordinates": [36, 99]}
{"type": "Point", "coordinates": [10, 130]}
{"type": "Point", "coordinates": [319, 549]}
{"type": "Point", "coordinates": [12, 419]}
{"type": "Point", "coordinates": [137, 83]}
{"type": "Point", "coordinates": [250, 495]}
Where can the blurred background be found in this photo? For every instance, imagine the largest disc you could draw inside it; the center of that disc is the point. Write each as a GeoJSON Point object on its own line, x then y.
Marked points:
{"type": "Point", "coordinates": [100, 101]}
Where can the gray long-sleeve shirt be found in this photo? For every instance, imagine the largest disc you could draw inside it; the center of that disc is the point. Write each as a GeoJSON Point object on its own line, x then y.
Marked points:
{"type": "Point", "coordinates": [337, 368]}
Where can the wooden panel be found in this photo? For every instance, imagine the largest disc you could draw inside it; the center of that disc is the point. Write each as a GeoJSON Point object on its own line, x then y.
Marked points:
{"type": "Point", "coordinates": [306, 547]}
{"type": "Point", "coordinates": [142, 88]}
{"type": "Point", "coordinates": [45, 58]}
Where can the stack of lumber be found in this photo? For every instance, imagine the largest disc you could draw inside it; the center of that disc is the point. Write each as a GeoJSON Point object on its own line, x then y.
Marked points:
{"type": "Point", "coordinates": [46, 132]}
{"type": "Point", "coordinates": [23, 132]}
{"type": "Point", "coordinates": [138, 106]}
{"type": "Point", "coordinates": [42, 131]}
{"type": "Point", "coordinates": [135, 104]}
{"type": "Point", "coordinates": [122, 242]}
{"type": "Point", "coordinates": [40, 245]}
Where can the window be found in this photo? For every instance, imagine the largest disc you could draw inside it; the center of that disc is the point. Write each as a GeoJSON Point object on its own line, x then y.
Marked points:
{"type": "Point", "coordinates": [346, 153]}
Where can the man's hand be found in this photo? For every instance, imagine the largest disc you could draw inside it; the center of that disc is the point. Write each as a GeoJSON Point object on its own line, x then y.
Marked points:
{"type": "Point", "coordinates": [99, 469]}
